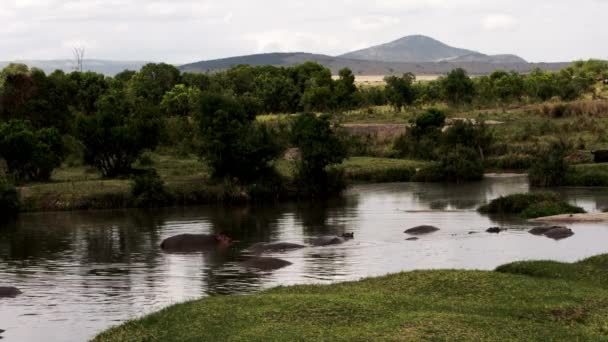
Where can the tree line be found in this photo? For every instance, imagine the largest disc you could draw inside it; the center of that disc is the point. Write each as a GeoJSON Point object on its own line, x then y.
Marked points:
{"type": "Point", "coordinates": [112, 120]}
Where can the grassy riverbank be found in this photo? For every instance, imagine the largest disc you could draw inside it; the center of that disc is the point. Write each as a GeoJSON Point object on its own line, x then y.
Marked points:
{"type": "Point", "coordinates": [527, 301]}
{"type": "Point", "coordinates": [186, 180]}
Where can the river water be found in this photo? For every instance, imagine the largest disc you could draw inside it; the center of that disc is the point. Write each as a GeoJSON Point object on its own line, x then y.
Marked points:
{"type": "Point", "coordinates": [83, 272]}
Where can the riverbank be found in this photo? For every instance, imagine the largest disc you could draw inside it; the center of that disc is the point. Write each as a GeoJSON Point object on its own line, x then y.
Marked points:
{"type": "Point", "coordinates": [527, 301]}
{"type": "Point", "coordinates": [187, 182]}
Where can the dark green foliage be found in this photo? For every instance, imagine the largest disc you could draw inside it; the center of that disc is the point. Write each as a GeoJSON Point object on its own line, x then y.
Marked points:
{"type": "Point", "coordinates": [153, 81]}
{"type": "Point", "coordinates": [530, 205]}
{"type": "Point", "coordinates": [88, 89]}
{"type": "Point", "coordinates": [399, 90]}
{"type": "Point", "coordinates": [457, 87]}
{"type": "Point", "coordinates": [30, 154]}
{"type": "Point", "coordinates": [118, 133]}
{"type": "Point", "coordinates": [372, 96]}
{"type": "Point", "coordinates": [456, 164]}
{"type": "Point", "coordinates": [232, 144]}
{"type": "Point", "coordinates": [181, 100]}
{"type": "Point", "coordinates": [550, 167]}
{"type": "Point", "coordinates": [125, 76]}
{"type": "Point", "coordinates": [345, 90]}
{"type": "Point", "coordinates": [148, 190]}
{"type": "Point", "coordinates": [320, 147]}
{"type": "Point", "coordinates": [9, 200]}
{"type": "Point", "coordinates": [423, 137]}
{"type": "Point", "coordinates": [468, 134]}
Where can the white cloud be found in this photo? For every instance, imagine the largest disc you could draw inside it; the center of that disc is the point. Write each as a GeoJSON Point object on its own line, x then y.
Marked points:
{"type": "Point", "coordinates": [494, 22]}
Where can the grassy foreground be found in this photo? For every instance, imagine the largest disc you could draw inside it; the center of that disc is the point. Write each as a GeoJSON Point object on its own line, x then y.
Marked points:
{"type": "Point", "coordinates": [540, 301]}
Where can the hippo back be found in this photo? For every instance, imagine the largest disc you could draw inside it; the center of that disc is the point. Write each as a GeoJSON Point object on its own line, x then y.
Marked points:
{"type": "Point", "coordinates": [327, 241]}
{"type": "Point", "coordinates": [189, 243]}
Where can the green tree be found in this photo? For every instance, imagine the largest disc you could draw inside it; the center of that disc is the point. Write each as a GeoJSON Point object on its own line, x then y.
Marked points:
{"type": "Point", "coordinates": [550, 167]}
{"type": "Point", "coordinates": [117, 134]}
{"type": "Point", "coordinates": [345, 90]}
{"type": "Point", "coordinates": [458, 88]}
{"type": "Point", "coordinates": [181, 100]}
{"type": "Point", "coordinates": [234, 145]}
{"type": "Point", "coordinates": [320, 147]}
{"type": "Point", "coordinates": [400, 91]}
{"type": "Point", "coordinates": [152, 81]}
{"type": "Point", "coordinates": [30, 154]}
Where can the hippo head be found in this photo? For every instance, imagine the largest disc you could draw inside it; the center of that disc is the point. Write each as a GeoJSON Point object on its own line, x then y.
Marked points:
{"type": "Point", "coordinates": [348, 235]}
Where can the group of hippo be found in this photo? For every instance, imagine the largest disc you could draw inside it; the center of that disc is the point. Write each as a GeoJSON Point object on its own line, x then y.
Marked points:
{"type": "Point", "coordinates": [189, 243]}
{"type": "Point", "coordinates": [553, 232]}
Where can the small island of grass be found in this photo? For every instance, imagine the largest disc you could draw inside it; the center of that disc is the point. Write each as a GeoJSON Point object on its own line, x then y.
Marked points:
{"type": "Point", "coordinates": [531, 205]}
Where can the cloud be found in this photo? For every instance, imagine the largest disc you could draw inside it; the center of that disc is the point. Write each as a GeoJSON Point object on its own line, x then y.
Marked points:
{"type": "Point", "coordinates": [496, 22]}
{"type": "Point", "coordinates": [373, 22]}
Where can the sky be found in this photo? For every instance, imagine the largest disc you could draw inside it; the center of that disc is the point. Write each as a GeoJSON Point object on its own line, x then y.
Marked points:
{"type": "Point", "coordinates": [183, 31]}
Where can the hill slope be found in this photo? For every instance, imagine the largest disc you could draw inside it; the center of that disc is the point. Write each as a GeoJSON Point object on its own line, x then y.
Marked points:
{"type": "Point", "coordinates": [419, 48]}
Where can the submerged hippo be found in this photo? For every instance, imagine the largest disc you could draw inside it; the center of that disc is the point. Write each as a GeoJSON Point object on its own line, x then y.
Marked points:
{"type": "Point", "coordinates": [9, 292]}
{"type": "Point", "coordinates": [265, 264]}
{"type": "Point", "coordinates": [195, 242]}
{"type": "Point", "coordinates": [494, 230]}
{"type": "Point", "coordinates": [555, 232]}
{"type": "Point", "coordinates": [264, 247]}
{"type": "Point", "coordinates": [422, 230]}
{"type": "Point", "coordinates": [332, 240]}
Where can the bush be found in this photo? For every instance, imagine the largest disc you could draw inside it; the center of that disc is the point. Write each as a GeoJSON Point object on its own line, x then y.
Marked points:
{"type": "Point", "coordinates": [530, 205]}
{"type": "Point", "coordinates": [423, 137]}
{"type": "Point", "coordinates": [148, 190]}
{"type": "Point", "coordinates": [458, 164]}
{"type": "Point", "coordinates": [30, 154]}
{"type": "Point", "coordinates": [9, 200]}
{"type": "Point", "coordinates": [551, 167]}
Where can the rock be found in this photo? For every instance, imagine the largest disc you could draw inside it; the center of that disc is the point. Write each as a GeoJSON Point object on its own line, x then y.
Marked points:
{"type": "Point", "coordinates": [266, 264]}
{"type": "Point", "coordinates": [413, 239]}
{"type": "Point", "coordinates": [9, 292]}
{"type": "Point", "coordinates": [555, 232]}
{"type": "Point", "coordinates": [494, 230]}
{"type": "Point", "coordinates": [421, 230]}
{"type": "Point", "coordinates": [263, 247]}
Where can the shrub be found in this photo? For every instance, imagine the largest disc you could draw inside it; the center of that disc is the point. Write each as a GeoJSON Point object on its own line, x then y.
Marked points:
{"type": "Point", "coordinates": [458, 164]}
{"type": "Point", "coordinates": [550, 168]}
{"type": "Point", "coordinates": [530, 205]}
{"type": "Point", "coordinates": [423, 137]}
{"type": "Point", "coordinates": [148, 190]}
{"type": "Point", "coordinates": [30, 154]}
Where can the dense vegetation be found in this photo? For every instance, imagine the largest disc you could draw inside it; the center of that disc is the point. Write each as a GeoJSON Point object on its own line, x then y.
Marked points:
{"type": "Point", "coordinates": [109, 124]}
{"type": "Point", "coordinates": [527, 301]}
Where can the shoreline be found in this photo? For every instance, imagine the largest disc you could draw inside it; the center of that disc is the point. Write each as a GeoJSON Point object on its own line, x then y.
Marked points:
{"type": "Point", "coordinates": [532, 301]}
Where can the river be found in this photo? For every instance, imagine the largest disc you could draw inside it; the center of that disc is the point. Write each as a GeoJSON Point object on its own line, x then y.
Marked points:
{"type": "Point", "coordinates": [83, 272]}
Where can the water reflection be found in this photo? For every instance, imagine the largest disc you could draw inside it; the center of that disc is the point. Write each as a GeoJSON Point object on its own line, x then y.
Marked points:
{"type": "Point", "coordinates": [82, 272]}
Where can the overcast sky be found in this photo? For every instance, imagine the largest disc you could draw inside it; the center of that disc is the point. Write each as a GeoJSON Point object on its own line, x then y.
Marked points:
{"type": "Point", "coordinates": [181, 31]}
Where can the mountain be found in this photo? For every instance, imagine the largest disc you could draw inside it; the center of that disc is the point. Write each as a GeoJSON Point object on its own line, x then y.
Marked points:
{"type": "Point", "coordinates": [106, 67]}
{"type": "Point", "coordinates": [475, 65]}
{"type": "Point", "coordinates": [419, 48]}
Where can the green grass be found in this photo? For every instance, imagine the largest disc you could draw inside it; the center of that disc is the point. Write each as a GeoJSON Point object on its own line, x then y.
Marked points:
{"type": "Point", "coordinates": [531, 301]}
{"type": "Point", "coordinates": [530, 205]}
{"type": "Point", "coordinates": [587, 175]}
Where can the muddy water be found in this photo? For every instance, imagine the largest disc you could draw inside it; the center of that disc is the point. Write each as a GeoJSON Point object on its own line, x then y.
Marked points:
{"type": "Point", "coordinates": [83, 272]}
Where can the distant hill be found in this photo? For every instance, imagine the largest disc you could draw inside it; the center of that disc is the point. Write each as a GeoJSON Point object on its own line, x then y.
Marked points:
{"type": "Point", "coordinates": [419, 48]}
{"type": "Point", "coordinates": [106, 67]}
{"type": "Point", "coordinates": [475, 66]}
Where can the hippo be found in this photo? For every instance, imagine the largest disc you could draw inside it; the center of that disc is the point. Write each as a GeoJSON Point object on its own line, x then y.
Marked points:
{"type": "Point", "coordinates": [9, 292]}
{"type": "Point", "coordinates": [263, 247]}
{"type": "Point", "coordinates": [494, 230]}
{"type": "Point", "coordinates": [412, 239]}
{"type": "Point", "coordinates": [555, 232]}
{"type": "Point", "coordinates": [332, 240]}
{"type": "Point", "coordinates": [265, 264]}
{"type": "Point", "coordinates": [421, 230]}
{"type": "Point", "coordinates": [186, 243]}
